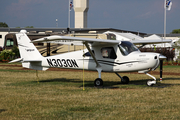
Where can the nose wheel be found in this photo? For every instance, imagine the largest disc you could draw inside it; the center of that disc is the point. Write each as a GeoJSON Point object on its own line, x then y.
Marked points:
{"type": "Point", "coordinates": [151, 82]}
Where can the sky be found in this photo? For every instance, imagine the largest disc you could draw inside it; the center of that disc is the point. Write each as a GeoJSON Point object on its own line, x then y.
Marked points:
{"type": "Point", "coordinates": [145, 16]}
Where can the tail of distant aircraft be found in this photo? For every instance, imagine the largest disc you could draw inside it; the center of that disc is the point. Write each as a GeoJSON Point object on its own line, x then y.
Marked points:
{"type": "Point", "coordinates": [30, 56]}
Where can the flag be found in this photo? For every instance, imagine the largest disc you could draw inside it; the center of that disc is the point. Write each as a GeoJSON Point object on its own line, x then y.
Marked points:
{"type": "Point", "coordinates": [70, 5]}
{"type": "Point", "coordinates": [168, 4]}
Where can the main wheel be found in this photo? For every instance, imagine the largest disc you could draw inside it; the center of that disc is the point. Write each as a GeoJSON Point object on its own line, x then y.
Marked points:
{"type": "Point", "coordinates": [125, 80]}
{"type": "Point", "coordinates": [98, 82]}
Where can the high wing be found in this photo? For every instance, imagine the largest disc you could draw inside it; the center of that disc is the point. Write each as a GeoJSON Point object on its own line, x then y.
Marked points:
{"type": "Point", "coordinates": [65, 39]}
{"type": "Point", "coordinates": [94, 42]}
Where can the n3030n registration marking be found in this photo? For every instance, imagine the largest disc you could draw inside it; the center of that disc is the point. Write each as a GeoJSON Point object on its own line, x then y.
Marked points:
{"type": "Point", "coordinates": [62, 63]}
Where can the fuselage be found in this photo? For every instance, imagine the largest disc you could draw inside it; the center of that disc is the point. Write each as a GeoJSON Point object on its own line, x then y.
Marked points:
{"type": "Point", "coordinates": [111, 59]}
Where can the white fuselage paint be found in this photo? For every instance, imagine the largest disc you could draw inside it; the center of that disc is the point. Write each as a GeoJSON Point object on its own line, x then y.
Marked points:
{"type": "Point", "coordinates": [135, 61]}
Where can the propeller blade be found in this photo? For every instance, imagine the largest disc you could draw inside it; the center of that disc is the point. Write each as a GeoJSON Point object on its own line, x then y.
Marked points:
{"type": "Point", "coordinates": [162, 57]}
{"type": "Point", "coordinates": [161, 69]}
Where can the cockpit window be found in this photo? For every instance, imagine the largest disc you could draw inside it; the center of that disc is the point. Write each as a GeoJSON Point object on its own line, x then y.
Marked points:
{"type": "Point", "coordinates": [108, 52]}
{"type": "Point", "coordinates": [87, 54]}
{"type": "Point", "coordinates": [127, 47]}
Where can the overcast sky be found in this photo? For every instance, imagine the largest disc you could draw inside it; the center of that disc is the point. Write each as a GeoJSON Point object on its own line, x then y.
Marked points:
{"type": "Point", "coordinates": [135, 15]}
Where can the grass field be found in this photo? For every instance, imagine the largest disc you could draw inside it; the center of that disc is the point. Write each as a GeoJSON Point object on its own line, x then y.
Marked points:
{"type": "Point", "coordinates": [60, 95]}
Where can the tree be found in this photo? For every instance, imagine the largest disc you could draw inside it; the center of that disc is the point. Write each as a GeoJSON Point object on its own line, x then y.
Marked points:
{"type": "Point", "coordinates": [176, 31]}
{"type": "Point", "coordinates": [15, 50]}
{"type": "Point", "coordinates": [29, 27]}
{"type": "Point", "coordinates": [3, 24]}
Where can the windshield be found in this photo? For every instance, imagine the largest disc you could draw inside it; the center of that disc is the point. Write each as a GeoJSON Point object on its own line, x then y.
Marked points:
{"type": "Point", "coordinates": [127, 47]}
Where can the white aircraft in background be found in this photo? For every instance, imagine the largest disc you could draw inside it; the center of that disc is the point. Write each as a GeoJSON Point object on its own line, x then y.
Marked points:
{"type": "Point", "coordinates": [101, 55]}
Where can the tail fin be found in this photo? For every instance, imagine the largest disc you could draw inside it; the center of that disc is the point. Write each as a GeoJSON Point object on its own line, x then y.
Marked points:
{"type": "Point", "coordinates": [27, 49]}
{"type": "Point", "coordinates": [30, 56]}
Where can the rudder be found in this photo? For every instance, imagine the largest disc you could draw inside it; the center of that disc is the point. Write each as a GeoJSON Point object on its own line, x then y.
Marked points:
{"type": "Point", "coordinates": [27, 49]}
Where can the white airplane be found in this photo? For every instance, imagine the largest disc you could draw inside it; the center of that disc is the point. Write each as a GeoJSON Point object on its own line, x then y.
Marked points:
{"type": "Point", "coordinates": [101, 55]}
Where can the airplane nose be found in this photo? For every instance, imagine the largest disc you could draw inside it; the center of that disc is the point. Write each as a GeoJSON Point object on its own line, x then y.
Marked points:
{"type": "Point", "coordinates": [161, 57]}
{"type": "Point", "coordinates": [158, 58]}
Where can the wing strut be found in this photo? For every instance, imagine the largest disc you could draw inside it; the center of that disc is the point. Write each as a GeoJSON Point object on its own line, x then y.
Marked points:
{"type": "Point", "coordinates": [92, 54]}
{"type": "Point", "coordinates": [98, 66]}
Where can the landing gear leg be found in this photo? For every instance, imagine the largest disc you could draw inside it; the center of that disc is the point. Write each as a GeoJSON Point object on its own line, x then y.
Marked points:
{"type": "Point", "coordinates": [98, 82]}
{"type": "Point", "coordinates": [124, 79]}
{"type": "Point", "coordinates": [151, 83]}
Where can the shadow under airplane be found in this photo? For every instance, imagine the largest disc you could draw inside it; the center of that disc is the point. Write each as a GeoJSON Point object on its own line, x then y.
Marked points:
{"type": "Point", "coordinates": [109, 84]}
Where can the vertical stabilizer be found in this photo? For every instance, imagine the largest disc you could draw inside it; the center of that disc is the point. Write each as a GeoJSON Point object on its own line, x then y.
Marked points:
{"type": "Point", "coordinates": [27, 49]}
{"type": "Point", "coordinates": [30, 56]}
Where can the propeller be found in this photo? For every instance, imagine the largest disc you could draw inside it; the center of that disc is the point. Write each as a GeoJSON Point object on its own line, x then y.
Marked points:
{"type": "Point", "coordinates": [161, 58]}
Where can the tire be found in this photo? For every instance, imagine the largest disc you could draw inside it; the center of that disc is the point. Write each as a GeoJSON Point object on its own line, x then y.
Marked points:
{"type": "Point", "coordinates": [149, 83]}
{"type": "Point", "coordinates": [98, 82]}
{"type": "Point", "coordinates": [125, 80]}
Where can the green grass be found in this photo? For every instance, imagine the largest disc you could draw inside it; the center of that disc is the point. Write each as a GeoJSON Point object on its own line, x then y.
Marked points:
{"type": "Point", "coordinates": [60, 95]}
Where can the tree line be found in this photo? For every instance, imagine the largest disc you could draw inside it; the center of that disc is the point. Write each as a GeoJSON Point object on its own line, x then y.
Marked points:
{"type": "Point", "coordinates": [3, 24]}
{"type": "Point", "coordinates": [176, 31]}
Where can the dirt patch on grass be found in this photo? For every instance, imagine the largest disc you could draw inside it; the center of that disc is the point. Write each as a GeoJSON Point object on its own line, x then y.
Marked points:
{"type": "Point", "coordinates": [10, 65]}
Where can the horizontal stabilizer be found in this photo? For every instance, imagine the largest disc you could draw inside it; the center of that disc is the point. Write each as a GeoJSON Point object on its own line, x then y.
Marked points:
{"type": "Point", "coordinates": [16, 60]}
{"type": "Point", "coordinates": [21, 60]}
{"type": "Point", "coordinates": [32, 60]}
{"type": "Point", "coordinates": [34, 65]}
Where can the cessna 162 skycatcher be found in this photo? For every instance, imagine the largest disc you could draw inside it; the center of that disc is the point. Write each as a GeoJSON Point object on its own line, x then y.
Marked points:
{"type": "Point", "coordinates": [101, 55]}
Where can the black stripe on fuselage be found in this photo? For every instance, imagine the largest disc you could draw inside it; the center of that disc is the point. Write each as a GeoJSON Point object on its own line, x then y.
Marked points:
{"type": "Point", "coordinates": [110, 62]}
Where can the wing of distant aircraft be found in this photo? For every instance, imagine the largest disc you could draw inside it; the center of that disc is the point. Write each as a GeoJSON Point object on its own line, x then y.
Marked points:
{"type": "Point", "coordinates": [137, 40]}
{"type": "Point", "coordinates": [150, 41]}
